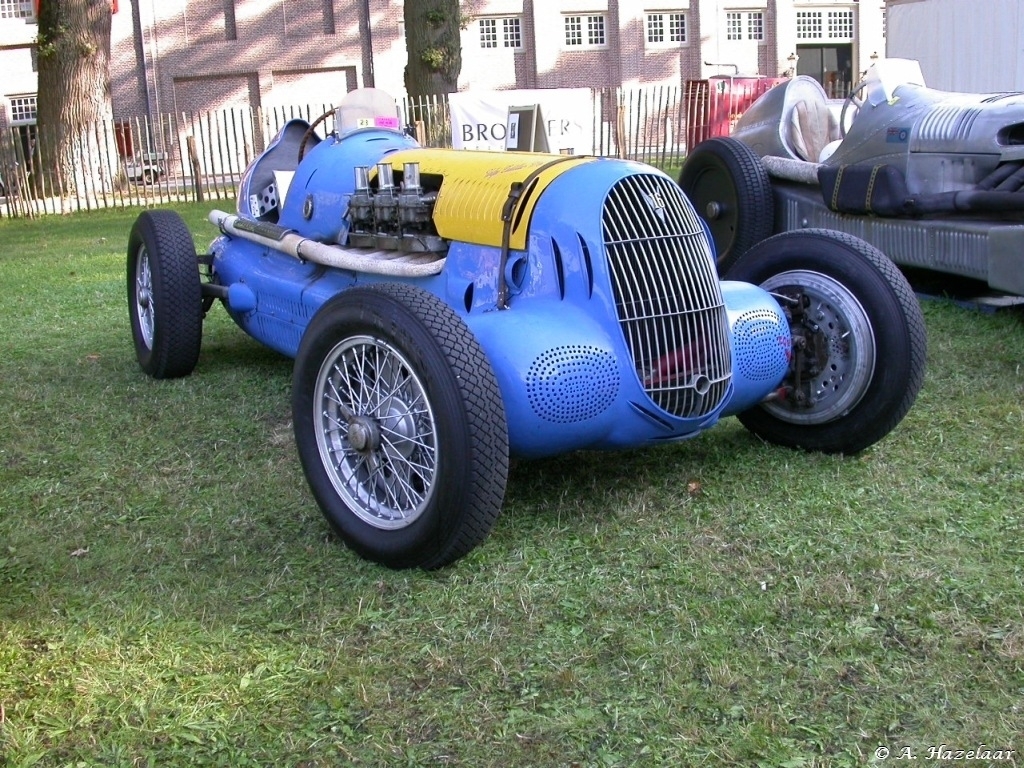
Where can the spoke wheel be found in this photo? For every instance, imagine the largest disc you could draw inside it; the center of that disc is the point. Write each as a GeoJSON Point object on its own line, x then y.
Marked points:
{"type": "Point", "coordinates": [400, 426]}
{"type": "Point", "coordinates": [377, 434]}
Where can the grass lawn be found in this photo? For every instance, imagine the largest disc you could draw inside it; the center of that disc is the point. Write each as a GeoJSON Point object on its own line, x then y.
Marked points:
{"type": "Point", "coordinates": [170, 594]}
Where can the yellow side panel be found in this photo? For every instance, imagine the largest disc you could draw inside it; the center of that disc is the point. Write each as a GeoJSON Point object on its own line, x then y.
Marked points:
{"type": "Point", "coordinates": [475, 187]}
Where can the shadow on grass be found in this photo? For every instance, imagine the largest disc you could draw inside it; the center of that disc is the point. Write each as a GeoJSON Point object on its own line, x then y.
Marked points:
{"type": "Point", "coordinates": [599, 484]}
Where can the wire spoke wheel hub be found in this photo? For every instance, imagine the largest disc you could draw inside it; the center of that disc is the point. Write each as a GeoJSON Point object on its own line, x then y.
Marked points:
{"type": "Point", "coordinates": [377, 434]}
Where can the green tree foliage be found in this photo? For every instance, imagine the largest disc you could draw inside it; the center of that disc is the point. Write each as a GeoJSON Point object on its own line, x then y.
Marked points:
{"type": "Point", "coordinates": [434, 46]}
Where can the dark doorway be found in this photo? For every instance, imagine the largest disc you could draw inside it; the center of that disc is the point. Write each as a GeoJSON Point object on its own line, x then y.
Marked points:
{"type": "Point", "coordinates": [830, 65]}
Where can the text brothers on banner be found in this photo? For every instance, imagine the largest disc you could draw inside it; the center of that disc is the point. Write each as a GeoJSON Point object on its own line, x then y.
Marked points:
{"type": "Point", "coordinates": [480, 119]}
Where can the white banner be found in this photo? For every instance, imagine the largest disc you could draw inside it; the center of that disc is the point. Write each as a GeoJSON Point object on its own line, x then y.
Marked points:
{"type": "Point", "coordinates": [480, 118]}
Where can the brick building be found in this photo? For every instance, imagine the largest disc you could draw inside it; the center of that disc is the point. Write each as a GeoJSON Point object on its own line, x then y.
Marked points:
{"type": "Point", "coordinates": [174, 56]}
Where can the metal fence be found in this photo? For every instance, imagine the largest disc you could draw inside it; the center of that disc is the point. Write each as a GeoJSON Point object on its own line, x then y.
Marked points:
{"type": "Point", "coordinates": [202, 156]}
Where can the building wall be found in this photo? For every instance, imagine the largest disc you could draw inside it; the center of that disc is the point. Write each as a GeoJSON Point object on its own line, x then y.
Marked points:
{"type": "Point", "coordinates": [17, 63]}
{"type": "Point", "coordinates": [489, 59]}
{"type": "Point", "coordinates": [184, 55]}
{"type": "Point", "coordinates": [628, 57]}
{"type": "Point", "coordinates": [225, 53]}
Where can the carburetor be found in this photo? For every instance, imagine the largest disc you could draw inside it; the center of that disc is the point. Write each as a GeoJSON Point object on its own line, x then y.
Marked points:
{"type": "Point", "coordinates": [393, 216]}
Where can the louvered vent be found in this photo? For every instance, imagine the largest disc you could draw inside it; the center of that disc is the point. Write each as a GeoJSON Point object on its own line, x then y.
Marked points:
{"type": "Point", "coordinates": [667, 295]}
{"type": "Point", "coordinates": [953, 123]}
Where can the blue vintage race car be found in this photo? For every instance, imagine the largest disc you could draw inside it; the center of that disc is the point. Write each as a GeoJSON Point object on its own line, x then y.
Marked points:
{"type": "Point", "coordinates": [449, 309]}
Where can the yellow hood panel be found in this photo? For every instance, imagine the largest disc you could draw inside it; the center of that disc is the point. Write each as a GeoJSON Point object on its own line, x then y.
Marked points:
{"type": "Point", "coordinates": [476, 185]}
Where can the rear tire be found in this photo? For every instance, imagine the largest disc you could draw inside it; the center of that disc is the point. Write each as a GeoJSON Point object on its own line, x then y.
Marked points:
{"type": "Point", "coordinates": [400, 426]}
{"type": "Point", "coordinates": [863, 360]}
{"type": "Point", "coordinates": [165, 302]}
{"type": "Point", "coordinates": [729, 186]}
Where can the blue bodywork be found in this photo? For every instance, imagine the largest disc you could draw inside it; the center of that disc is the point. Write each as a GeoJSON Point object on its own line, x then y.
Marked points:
{"type": "Point", "coordinates": [592, 350]}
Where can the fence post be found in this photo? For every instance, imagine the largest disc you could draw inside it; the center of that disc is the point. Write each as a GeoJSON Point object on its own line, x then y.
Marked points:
{"type": "Point", "coordinates": [620, 131]}
{"type": "Point", "coordinates": [654, 127]}
{"type": "Point", "coordinates": [193, 159]}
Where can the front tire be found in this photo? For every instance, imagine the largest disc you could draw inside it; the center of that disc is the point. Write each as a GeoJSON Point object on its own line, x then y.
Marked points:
{"type": "Point", "coordinates": [859, 341]}
{"type": "Point", "coordinates": [165, 301]}
{"type": "Point", "coordinates": [400, 426]}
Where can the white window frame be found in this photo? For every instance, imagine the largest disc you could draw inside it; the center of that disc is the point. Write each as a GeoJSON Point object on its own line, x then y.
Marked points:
{"type": "Point", "coordinates": [733, 25]}
{"type": "Point", "coordinates": [23, 109]}
{"type": "Point", "coordinates": [512, 33]}
{"type": "Point", "coordinates": [741, 23]}
{"type": "Point", "coordinates": [839, 24]}
{"type": "Point", "coordinates": [755, 26]}
{"type": "Point", "coordinates": [488, 33]}
{"type": "Point", "coordinates": [809, 24]}
{"type": "Point", "coordinates": [666, 25]}
{"type": "Point", "coordinates": [18, 9]}
{"type": "Point", "coordinates": [589, 29]}
{"type": "Point", "coordinates": [826, 24]}
{"type": "Point", "coordinates": [502, 32]}
{"type": "Point", "coordinates": [679, 20]}
{"type": "Point", "coordinates": [654, 26]}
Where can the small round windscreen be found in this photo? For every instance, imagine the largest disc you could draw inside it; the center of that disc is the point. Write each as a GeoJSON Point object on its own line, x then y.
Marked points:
{"type": "Point", "coordinates": [367, 108]}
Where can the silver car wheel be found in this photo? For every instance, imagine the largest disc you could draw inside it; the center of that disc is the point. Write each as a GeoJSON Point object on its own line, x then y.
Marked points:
{"type": "Point", "coordinates": [376, 434]}
{"type": "Point", "coordinates": [144, 296]}
{"type": "Point", "coordinates": [844, 334]}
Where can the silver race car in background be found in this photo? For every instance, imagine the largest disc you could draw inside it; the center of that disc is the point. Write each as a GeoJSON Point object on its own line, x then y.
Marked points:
{"type": "Point", "coordinates": [933, 179]}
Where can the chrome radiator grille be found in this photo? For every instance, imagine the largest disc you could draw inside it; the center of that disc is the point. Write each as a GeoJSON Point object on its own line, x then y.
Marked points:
{"type": "Point", "coordinates": [667, 295]}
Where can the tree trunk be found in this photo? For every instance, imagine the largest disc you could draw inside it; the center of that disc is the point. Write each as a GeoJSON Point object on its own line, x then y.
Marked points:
{"type": "Point", "coordinates": [74, 111]}
{"type": "Point", "coordinates": [432, 39]}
